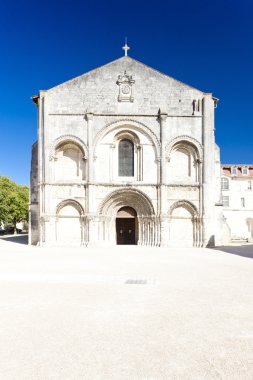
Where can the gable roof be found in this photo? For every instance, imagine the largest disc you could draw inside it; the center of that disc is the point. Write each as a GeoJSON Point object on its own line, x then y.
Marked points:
{"type": "Point", "coordinates": [126, 58]}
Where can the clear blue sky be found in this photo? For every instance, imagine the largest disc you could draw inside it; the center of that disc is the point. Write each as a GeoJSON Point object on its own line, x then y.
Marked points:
{"type": "Point", "coordinates": [206, 44]}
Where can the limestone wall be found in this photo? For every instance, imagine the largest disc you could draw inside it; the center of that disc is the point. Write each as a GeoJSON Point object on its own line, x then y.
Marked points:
{"type": "Point", "coordinates": [172, 128]}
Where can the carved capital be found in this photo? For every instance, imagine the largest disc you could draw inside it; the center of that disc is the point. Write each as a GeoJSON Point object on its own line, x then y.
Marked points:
{"type": "Point", "coordinates": [89, 116]}
{"type": "Point", "coordinates": [162, 115]}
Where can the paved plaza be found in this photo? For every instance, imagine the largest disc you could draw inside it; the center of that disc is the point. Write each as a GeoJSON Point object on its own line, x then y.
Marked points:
{"type": "Point", "coordinates": [127, 312]}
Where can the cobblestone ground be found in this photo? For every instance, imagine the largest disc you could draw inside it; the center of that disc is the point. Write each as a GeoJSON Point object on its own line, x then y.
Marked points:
{"type": "Point", "coordinates": [125, 313]}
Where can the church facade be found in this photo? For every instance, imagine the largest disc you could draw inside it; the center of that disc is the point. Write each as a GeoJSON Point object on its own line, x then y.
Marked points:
{"type": "Point", "coordinates": [125, 155]}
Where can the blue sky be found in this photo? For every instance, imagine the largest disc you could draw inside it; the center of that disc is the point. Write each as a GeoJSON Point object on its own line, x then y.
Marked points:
{"type": "Point", "coordinates": [206, 44]}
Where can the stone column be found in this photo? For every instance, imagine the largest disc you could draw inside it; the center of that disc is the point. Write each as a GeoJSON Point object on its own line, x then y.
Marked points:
{"type": "Point", "coordinates": [208, 194]}
{"type": "Point", "coordinates": [41, 165]}
{"type": "Point", "coordinates": [139, 162]}
{"type": "Point", "coordinates": [163, 195]}
{"type": "Point", "coordinates": [111, 162]}
{"type": "Point", "coordinates": [89, 118]}
{"type": "Point", "coordinates": [200, 220]}
{"type": "Point", "coordinates": [90, 174]}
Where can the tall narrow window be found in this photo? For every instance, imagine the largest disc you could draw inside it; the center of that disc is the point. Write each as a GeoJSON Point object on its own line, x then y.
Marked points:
{"type": "Point", "coordinates": [224, 184]}
{"type": "Point", "coordinates": [242, 202]}
{"type": "Point", "coordinates": [234, 170]}
{"type": "Point", "coordinates": [225, 201]}
{"type": "Point", "coordinates": [126, 158]}
{"type": "Point", "coordinates": [244, 171]}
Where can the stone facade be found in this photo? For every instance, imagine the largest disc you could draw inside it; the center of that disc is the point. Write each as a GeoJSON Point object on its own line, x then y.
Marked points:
{"type": "Point", "coordinates": [91, 128]}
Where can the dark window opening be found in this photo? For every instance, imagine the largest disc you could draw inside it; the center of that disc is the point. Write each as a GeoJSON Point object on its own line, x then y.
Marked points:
{"type": "Point", "coordinates": [126, 158]}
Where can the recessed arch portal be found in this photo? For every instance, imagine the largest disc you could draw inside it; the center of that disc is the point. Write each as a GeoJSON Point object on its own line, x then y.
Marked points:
{"type": "Point", "coordinates": [128, 204]}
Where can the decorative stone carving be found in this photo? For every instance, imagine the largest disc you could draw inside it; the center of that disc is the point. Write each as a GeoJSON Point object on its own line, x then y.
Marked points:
{"type": "Point", "coordinates": [125, 83]}
{"type": "Point", "coordinates": [162, 115]}
{"type": "Point", "coordinates": [187, 205]}
{"type": "Point", "coordinates": [89, 115]}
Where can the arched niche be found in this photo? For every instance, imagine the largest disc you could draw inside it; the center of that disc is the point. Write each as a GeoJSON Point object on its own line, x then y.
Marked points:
{"type": "Point", "coordinates": [183, 163]}
{"type": "Point", "coordinates": [69, 223]}
{"type": "Point", "coordinates": [69, 162]}
{"type": "Point", "coordinates": [184, 228]}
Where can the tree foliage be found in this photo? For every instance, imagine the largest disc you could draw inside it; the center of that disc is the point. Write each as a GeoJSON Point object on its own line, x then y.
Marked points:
{"type": "Point", "coordinates": [14, 200]}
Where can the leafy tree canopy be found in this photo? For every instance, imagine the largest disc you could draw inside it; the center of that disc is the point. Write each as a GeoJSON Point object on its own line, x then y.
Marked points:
{"type": "Point", "coordinates": [14, 200]}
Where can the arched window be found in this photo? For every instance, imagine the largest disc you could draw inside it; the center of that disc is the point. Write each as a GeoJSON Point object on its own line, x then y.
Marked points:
{"type": "Point", "coordinates": [126, 158]}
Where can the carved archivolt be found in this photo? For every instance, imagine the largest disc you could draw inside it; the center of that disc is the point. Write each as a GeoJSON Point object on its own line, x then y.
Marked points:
{"type": "Point", "coordinates": [67, 139]}
{"type": "Point", "coordinates": [70, 202]}
{"type": "Point", "coordinates": [126, 197]}
{"type": "Point", "coordinates": [187, 205]}
{"type": "Point", "coordinates": [125, 134]}
{"type": "Point", "coordinates": [185, 139]}
{"type": "Point", "coordinates": [130, 125]}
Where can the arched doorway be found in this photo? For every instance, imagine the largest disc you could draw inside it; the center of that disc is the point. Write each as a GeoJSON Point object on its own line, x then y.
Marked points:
{"type": "Point", "coordinates": [126, 226]}
{"type": "Point", "coordinates": [116, 206]}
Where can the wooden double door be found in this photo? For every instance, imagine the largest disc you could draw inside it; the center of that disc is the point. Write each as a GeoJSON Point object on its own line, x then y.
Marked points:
{"type": "Point", "coordinates": [125, 228]}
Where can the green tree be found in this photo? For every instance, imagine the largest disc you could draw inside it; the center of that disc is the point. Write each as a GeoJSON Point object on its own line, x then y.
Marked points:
{"type": "Point", "coordinates": [14, 200]}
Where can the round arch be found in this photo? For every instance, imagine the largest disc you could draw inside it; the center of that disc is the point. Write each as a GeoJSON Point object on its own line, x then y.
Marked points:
{"type": "Point", "coordinates": [145, 229]}
{"type": "Point", "coordinates": [130, 126]}
{"type": "Point", "coordinates": [70, 202]}
{"type": "Point", "coordinates": [190, 207]}
{"type": "Point", "coordinates": [184, 139]}
{"type": "Point", "coordinates": [126, 134]}
{"type": "Point", "coordinates": [68, 139]}
{"type": "Point", "coordinates": [68, 155]}
{"type": "Point", "coordinates": [126, 197]}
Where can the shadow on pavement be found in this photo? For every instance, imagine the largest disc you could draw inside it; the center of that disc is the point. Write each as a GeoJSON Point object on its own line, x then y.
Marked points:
{"type": "Point", "coordinates": [19, 239]}
{"type": "Point", "coordinates": [245, 250]}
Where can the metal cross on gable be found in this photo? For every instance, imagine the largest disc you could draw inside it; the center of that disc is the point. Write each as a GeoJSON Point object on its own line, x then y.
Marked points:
{"type": "Point", "coordinates": [125, 48]}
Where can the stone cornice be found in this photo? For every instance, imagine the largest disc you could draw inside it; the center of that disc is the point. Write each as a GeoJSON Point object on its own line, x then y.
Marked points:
{"type": "Point", "coordinates": [121, 115]}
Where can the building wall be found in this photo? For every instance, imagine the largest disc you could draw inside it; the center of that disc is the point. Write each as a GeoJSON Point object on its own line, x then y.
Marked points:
{"type": "Point", "coordinates": [175, 181]}
{"type": "Point", "coordinates": [237, 195]}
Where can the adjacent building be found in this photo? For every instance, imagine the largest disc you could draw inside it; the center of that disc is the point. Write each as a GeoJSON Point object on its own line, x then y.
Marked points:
{"type": "Point", "coordinates": [237, 199]}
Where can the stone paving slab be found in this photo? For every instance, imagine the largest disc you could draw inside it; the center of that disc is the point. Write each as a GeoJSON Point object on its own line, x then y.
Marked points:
{"type": "Point", "coordinates": [125, 313]}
